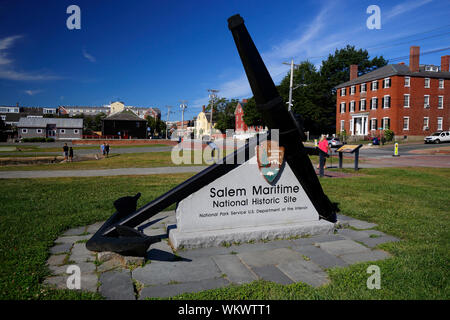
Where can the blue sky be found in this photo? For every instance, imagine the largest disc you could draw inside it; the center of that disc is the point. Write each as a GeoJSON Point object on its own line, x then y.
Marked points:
{"type": "Point", "coordinates": [156, 53]}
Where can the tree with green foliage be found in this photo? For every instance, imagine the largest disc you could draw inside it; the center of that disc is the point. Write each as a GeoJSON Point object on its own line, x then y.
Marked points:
{"type": "Point", "coordinates": [315, 95]}
{"type": "Point", "coordinates": [224, 114]}
{"type": "Point", "coordinates": [157, 126]}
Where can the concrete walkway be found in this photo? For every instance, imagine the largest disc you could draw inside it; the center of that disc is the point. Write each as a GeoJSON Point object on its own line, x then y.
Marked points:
{"type": "Point", "coordinates": [98, 172]}
{"type": "Point", "coordinates": [166, 273]}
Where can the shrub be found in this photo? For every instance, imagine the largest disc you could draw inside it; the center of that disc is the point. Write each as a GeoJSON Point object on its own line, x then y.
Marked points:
{"type": "Point", "coordinates": [38, 139]}
{"type": "Point", "coordinates": [389, 134]}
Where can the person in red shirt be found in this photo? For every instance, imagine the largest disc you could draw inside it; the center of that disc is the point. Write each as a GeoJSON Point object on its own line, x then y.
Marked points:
{"type": "Point", "coordinates": [323, 153]}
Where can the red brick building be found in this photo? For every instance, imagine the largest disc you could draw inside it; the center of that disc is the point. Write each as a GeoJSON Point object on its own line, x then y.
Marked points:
{"type": "Point", "coordinates": [412, 101]}
{"type": "Point", "coordinates": [240, 125]}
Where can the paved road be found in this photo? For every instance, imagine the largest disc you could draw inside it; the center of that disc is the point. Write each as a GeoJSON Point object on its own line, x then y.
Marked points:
{"type": "Point", "coordinates": [113, 150]}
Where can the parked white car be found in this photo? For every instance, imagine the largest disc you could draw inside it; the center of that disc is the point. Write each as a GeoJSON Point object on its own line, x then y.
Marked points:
{"type": "Point", "coordinates": [438, 137]}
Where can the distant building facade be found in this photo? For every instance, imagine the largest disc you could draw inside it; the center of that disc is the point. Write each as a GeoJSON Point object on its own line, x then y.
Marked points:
{"type": "Point", "coordinates": [57, 128]}
{"type": "Point", "coordinates": [240, 125]}
{"type": "Point", "coordinates": [412, 101]}
{"type": "Point", "coordinates": [86, 110]}
{"type": "Point", "coordinates": [12, 114]}
{"type": "Point", "coordinates": [125, 124]}
{"type": "Point", "coordinates": [203, 125]}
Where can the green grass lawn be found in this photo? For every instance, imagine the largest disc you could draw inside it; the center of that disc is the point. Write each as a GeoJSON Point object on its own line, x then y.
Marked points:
{"type": "Point", "coordinates": [123, 160]}
{"type": "Point", "coordinates": [409, 203]}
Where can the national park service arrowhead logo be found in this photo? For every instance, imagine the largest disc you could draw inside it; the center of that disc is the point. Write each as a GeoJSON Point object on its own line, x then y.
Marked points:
{"type": "Point", "coordinates": [270, 158]}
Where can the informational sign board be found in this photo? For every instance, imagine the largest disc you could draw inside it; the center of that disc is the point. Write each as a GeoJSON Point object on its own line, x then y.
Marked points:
{"type": "Point", "coordinates": [349, 148]}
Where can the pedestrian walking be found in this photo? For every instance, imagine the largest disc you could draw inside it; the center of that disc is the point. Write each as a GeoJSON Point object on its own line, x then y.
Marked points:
{"type": "Point", "coordinates": [65, 151]}
{"type": "Point", "coordinates": [71, 154]}
{"type": "Point", "coordinates": [107, 149]}
{"type": "Point", "coordinates": [102, 148]}
{"type": "Point", "coordinates": [323, 154]}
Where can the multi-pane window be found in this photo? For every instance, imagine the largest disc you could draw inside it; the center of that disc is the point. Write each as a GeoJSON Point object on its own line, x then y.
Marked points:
{"type": "Point", "coordinates": [374, 85]}
{"type": "Point", "coordinates": [373, 124]}
{"type": "Point", "coordinates": [62, 131]}
{"type": "Point", "coordinates": [342, 92]}
{"type": "Point", "coordinates": [24, 130]}
{"type": "Point", "coordinates": [406, 100]}
{"type": "Point", "coordinates": [426, 122]}
{"type": "Point", "coordinates": [75, 131]}
{"type": "Point", "coordinates": [405, 123]}
{"type": "Point", "coordinates": [363, 87]}
{"type": "Point", "coordinates": [426, 101]}
{"type": "Point", "coordinates": [352, 106]}
{"type": "Point", "coordinates": [342, 107]}
{"type": "Point", "coordinates": [386, 102]}
{"type": "Point", "coordinates": [342, 125]}
{"type": "Point", "coordinates": [387, 83]}
{"type": "Point", "coordinates": [362, 104]}
{"type": "Point", "coordinates": [407, 81]}
{"type": "Point", "coordinates": [352, 90]}
{"type": "Point", "coordinates": [441, 83]}
{"type": "Point", "coordinates": [439, 123]}
{"type": "Point", "coordinates": [441, 102]}
{"type": "Point", "coordinates": [374, 103]}
{"type": "Point", "coordinates": [386, 123]}
{"type": "Point", "coordinates": [427, 82]}
{"type": "Point", "coordinates": [38, 130]}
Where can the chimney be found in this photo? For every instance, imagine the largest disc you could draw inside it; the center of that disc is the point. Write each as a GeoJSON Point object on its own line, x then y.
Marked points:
{"type": "Point", "coordinates": [414, 53]}
{"type": "Point", "coordinates": [353, 71]}
{"type": "Point", "coordinates": [444, 63]}
{"type": "Point", "coordinates": [203, 109]}
{"type": "Point", "coordinates": [17, 104]}
{"type": "Point", "coordinates": [245, 100]}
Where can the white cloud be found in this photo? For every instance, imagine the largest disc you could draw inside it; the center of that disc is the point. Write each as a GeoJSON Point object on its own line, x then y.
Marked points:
{"type": "Point", "coordinates": [88, 56]}
{"type": "Point", "coordinates": [32, 92]}
{"type": "Point", "coordinates": [6, 65]}
{"type": "Point", "coordinates": [405, 7]}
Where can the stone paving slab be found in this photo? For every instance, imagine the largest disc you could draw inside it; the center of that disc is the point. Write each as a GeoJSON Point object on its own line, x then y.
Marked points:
{"type": "Point", "coordinates": [61, 248]}
{"type": "Point", "coordinates": [117, 285]}
{"type": "Point", "coordinates": [317, 239]}
{"type": "Point", "coordinates": [163, 291]}
{"type": "Point", "coordinates": [203, 252]}
{"type": "Point", "coordinates": [56, 260]}
{"type": "Point", "coordinates": [81, 254]}
{"type": "Point", "coordinates": [373, 242]}
{"type": "Point", "coordinates": [359, 224]}
{"type": "Point", "coordinates": [272, 273]}
{"type": "Point", "coordinates": [372, 255]}
{"type": "Point", "coordinates": [74, 232]}
{"type": "Point", "coordinates": [304, 271]}
{"type": "Point", "coordinates": [235, 271]}
{"type": "Point", "coordinates": [269, 257]}
{"type": "Point", "coordinates": [353, 234]}
{"type": "Point", "coordinates": [341, 247]}
{"type": "Point", "coordinates": [179, 271]}
{"type": "Point", "coordinates": [320, 257]}
{"type": "Point", "coordinates": [93, 228]}
{"type": "Point", "coordinates": [72, 239]}
{"type": "Point", "coordinates": [160, 251]}
{"type": "Point", "coordinates": [89, 281]}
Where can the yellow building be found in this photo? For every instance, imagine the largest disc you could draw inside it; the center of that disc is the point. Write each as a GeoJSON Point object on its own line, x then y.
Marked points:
{"type": "Point", "coordinates": [117, 106]}
{"type": "Point", "coordinates": [203, 124]}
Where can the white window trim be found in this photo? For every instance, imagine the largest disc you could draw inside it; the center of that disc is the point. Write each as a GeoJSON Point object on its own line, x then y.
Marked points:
{"type": "Point", "coordinates": [439, 99]}
{"type": "Point", "coordinates": [407, 122]}
{"type": "Point", "coordinates": [385, 82]}
{"type": "Point", "coordinates": [372, 106]}
{"type": "Point", "coordinates": [384, 101]}
{"type": "Point", "coordinates": [352, 106]}
{"type": "Point", "coordinates": [375, 82]}
{"type": "Point", "coordinates": [409, 100]}
{"type": "Point", "coordinates": [428, 122]}
{"type": "Point", "coordinates": [409, 82]}
{"type": "Point", "coordinates": [342, 125]}
{"type": "Point", "coordinates": [342, 107]}
{"type": "Point", "coordinates": [442, 123]}
{"type": "Point", "coordinates": [363, 85]}
{"type": "Point", "coordinates": [384, 122]}
{"type": "Point", "coordinates": [24, 130]}
{"type": "Point", "coordinates": [365, 104]}
{"type": "Point", "coordinates": [352, 90]}
{"type": "Point", "coordinates": [343, 92]}
{"type": "Point", "coordinates": [424, 99]}
{"type": "Point", "coordinates": [372, 123]}
{"type": "Point", "coordinates": [38, 130]}
{"type": "Point", "coordinates": [425, 83]}
{"type": "Point", "coordinates": [62, 131]}
{"type": "Point", "coordinates": [76, 131]}
{"type": "Point", "coordinates": [441, 81]}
